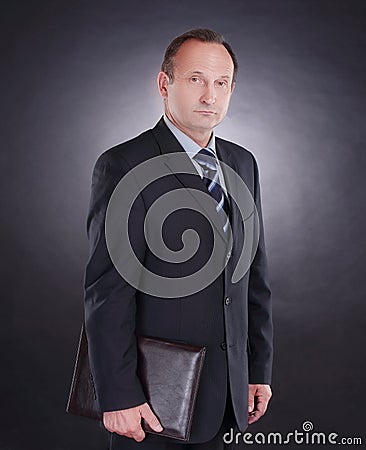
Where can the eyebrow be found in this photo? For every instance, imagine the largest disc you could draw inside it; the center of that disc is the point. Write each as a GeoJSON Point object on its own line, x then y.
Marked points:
{"type": "Point", "coordinates": [198, 72]}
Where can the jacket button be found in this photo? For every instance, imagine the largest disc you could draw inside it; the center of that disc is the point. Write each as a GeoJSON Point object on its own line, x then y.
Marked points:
{"type": "Point", "coordinates": [223, 345]}
{"type": "Point", "coordinates": [227, 301]}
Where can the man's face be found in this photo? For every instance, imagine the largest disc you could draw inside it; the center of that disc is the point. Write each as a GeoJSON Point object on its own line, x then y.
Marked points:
{"type": "Point", "coordinates": [199, 96]}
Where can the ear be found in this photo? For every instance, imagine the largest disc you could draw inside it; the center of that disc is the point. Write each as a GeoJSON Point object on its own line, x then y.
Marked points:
{"type": "Point", "coordinates": [232, 87]}
{"type": "Point", "coordinates": [163, 81]}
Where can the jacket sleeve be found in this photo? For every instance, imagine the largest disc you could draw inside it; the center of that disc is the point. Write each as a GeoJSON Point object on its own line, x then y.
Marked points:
{"type": "Point", "coordinates": [260, 327]}
{"type": "Point", "coordinates": [110, 302]}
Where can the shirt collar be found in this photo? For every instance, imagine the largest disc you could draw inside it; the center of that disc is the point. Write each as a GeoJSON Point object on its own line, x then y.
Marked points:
{"type": "Point", "coordinates": [191, 147]}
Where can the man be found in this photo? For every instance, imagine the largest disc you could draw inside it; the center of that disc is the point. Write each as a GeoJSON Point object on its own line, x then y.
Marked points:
{"type": "Point", "coordinates": [231, 319]}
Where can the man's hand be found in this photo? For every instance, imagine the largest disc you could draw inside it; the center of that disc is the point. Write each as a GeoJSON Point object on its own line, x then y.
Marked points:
{"type": "Point", "coordinates": [127, 422]}
{"type": "Point", "coordinates": [259, 396]}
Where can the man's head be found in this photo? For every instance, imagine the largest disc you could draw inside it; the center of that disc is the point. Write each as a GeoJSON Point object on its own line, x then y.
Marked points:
{"type": "Point", "coordinates": [196, 81]}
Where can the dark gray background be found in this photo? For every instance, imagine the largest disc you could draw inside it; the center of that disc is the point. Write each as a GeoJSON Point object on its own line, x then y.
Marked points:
{"type": "Point", "coordinates": [79, 77]}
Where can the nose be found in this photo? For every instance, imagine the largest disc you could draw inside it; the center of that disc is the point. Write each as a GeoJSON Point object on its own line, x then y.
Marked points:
{"type": "Point", "coordinates": [209, 95]}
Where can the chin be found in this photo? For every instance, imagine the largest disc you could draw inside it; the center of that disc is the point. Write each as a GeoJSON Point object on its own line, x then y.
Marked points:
{"type": "Point", "coordinates": [214, 119]}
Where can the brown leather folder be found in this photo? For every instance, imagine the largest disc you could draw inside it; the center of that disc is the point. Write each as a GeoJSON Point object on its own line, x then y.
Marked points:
{"type": "Point", "coordinates": [169, 373]}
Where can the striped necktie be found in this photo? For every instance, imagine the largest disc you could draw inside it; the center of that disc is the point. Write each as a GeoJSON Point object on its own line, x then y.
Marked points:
{"type": "Point", "coordinates": [207, 160]}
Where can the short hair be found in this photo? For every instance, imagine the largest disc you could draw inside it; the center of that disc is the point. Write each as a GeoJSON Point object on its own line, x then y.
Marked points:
{"type": "Point", "coordinates": [199, 34]}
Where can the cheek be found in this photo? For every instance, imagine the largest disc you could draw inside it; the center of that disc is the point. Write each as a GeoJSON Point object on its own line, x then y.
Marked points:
{"type": "Point", "coordinates": [184, 101]}
{"type": "Point", "coordinates": [177, 99]}
{"type": "Point", "coordinates": [225, 102]}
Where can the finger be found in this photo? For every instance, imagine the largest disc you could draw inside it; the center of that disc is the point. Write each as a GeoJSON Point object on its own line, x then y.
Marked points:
{"type": "Point", "coordinates": [250, 401]}
{"type": "Point", "coordinates": [253, 417]}
{"type": "Point", "coordinates": [261, 408]}
{"type": "Point", "coordinates": [262, 403]}
{"type": "Point", "coordinates": [151, 418]}
{"type": "Point", "coordinates": [138, 435]}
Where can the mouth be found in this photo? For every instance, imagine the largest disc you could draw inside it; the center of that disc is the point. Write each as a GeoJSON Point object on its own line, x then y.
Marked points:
{"type": "Point", "coordinates": [205, 112]}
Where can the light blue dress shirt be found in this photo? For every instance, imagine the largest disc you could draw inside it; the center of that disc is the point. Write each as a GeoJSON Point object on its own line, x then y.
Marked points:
{"type": "Point", "coordinates": [192, 148]}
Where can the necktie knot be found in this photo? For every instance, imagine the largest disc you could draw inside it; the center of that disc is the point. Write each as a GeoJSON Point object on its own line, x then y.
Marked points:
{"type": "Point", "coordinates": [206, 159]}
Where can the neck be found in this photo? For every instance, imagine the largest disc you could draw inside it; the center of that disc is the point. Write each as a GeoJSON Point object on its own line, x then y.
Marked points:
{"type": "Point", "coordinates": [200, 138]}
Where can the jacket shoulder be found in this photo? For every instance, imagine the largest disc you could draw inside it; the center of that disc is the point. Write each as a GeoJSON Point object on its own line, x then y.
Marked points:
{"type": "Point", "coordinates": [235, 149]}
{"type": "Point", "coordinates": [132, 152]}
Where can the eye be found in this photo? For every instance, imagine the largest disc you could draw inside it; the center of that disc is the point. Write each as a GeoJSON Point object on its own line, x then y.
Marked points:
{"type": "Point", "coordinates": [196, 80]}
{"type": "Point", "coordinates": [222, 83]}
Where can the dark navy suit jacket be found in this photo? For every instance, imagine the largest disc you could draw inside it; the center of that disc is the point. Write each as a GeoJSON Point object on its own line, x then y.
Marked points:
{"type": "Point", "coordinates": [233, 320]}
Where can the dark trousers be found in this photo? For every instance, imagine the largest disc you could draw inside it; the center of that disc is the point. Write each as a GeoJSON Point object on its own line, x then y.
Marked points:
{"type": "Point", "coordinates": [118, 442]}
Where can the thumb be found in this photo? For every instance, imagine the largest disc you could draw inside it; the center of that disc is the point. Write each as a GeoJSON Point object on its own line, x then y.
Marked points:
{"type": "Point", "coordinates": [151, 418]}
{"type": "Point", "coordinates": [250, 401]}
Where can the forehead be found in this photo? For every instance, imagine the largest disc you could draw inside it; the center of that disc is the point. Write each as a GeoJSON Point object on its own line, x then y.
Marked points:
{"type": "Point", "coordinates": [208, 58]}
